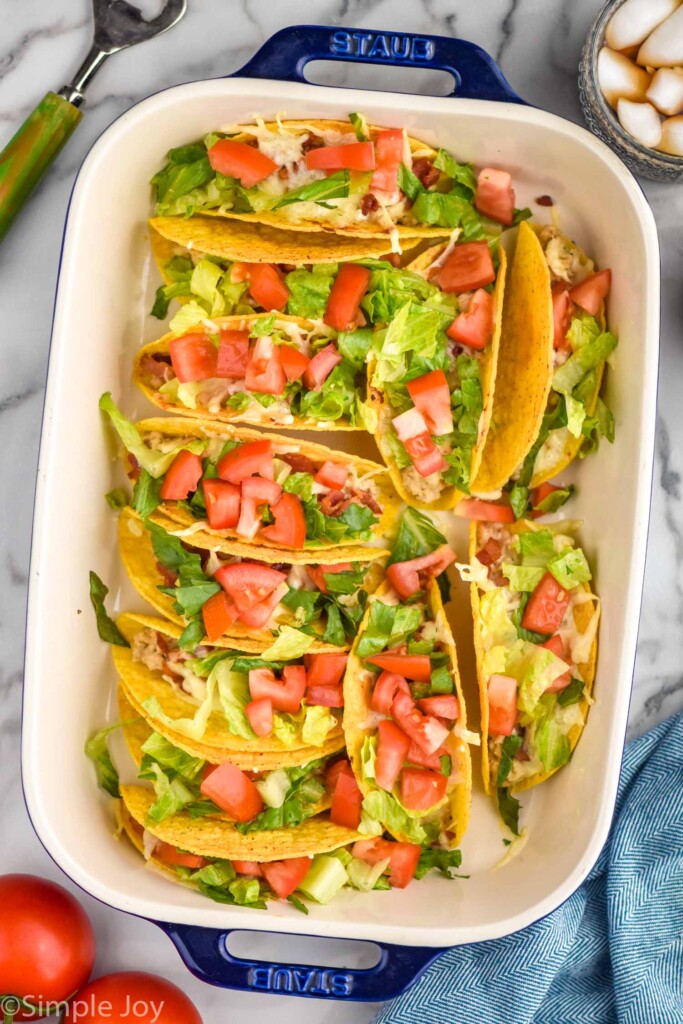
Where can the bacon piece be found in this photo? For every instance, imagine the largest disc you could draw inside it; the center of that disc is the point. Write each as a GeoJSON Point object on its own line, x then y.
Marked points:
{"type": "Point", "coordinates": [369, 204]}
{"type": "Point", "coordinates": [299, 463]}
{"type": "Point", "coordinates": [424, 169]}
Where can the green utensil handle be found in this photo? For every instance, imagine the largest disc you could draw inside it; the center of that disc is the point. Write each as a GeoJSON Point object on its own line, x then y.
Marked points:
{"type": "Point", "coordinates": [28, 155]}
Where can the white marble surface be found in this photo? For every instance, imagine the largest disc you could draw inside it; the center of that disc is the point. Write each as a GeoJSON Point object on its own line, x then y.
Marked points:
{"type": "Point", "coordinates": [537, 43]}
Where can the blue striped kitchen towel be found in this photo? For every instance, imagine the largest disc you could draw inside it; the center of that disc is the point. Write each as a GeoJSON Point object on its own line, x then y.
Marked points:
{"type": "Point", "coordinates": [613, 953]}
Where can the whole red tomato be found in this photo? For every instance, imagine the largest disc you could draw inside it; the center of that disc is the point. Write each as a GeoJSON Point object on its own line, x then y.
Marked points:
{"type": "Point", "coordinates": [47, 945]}
{"type": "Point", "coordinates": [131, 996]}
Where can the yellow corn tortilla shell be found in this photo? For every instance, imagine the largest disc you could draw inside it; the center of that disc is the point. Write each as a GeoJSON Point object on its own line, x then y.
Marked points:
{"type": "Point", "coordinates": [357, 695]}
{"type": "Point", "coordinates": [525, 366]}
{"type": "Point", "coordinates": [318, 453]}
{"type": "Point", "coordinates": [243, 243]}
{"type": "Point", "coordinates": [255, 413]}
{"type": "Point", "coordinates": [278, 219]}
{"type": "Point", "coordinates": [211, 837]}
{"type": "Point", "coordinates": [583, 614]}
{"type": "Point", "coordinates": [449, 496]}
{"type": "Point", "coordinates": [136, 732]}
{"type": "Point", "coordinates": [137, 555]}
{"type": "Point", "coordinates": [141, 683]}
{"type": "Point", "coordinates": [135, 728]}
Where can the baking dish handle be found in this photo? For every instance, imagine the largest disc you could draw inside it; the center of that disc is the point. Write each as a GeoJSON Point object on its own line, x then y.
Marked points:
{"type": "Point", "coordinates": [285, 55]}
{"type": "Point", "coordinates": [205, 953]}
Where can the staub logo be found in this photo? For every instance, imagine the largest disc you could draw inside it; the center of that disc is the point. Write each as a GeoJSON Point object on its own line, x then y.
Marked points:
{"type": "Point", "coordinates": [381, 46]}
{"type": "Point", "coordinates": [303, 980]}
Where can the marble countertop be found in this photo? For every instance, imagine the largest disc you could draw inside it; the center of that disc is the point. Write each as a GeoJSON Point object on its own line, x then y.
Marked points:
{"type": "Point", "coordinates": [537, 43]}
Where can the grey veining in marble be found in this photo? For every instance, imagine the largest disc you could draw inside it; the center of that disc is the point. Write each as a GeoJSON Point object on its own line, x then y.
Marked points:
{"type": "Point", "coordinates": [537, 43]}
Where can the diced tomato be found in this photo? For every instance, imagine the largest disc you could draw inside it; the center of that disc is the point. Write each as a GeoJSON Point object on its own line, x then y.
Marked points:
{"type": "Point", "coordinates": [409, 424]}
{"type": "Point", "coordinates": [325, 696]}
{"type": "Point", "coordinates": [405, 576]}
{"type": "Point", "coordinates": [249, 521]}
{"type": "Point", "coordinates": [387, 686]}
{"type": "Point", "coordinates": [425, 455]}
{"type": "Point", "coordinates": [286, 693]}
{"type": "Point", "coordinates": [546, 607]}
{"type": "Point", "coordinates": [233, 792]}
{"type": "Point", "coordinates": [233, 349]}
{"type": "Point", "coordinates": [168, 854]}
{"type": "Point", "coordinates": [432, 396]}
{"type": "Point", "coordinates": [539, 494]}
{"type": "Point", "coordinates": [218, 613]}
{"type": "Point", "coordinates": [591, 293]}
{"type": "Point", "coordinates": [495, 196]}
{"type": "Point", "coordinates": [247, 867]}
{"type": "Point", "coordinates": [412, 666]}
{"type": "Point", "coordinates": [222, 502]}
{"type": "Point", "coordinates": [416, 755]}
{"type": "Point", "coordinates": [421, 789]}
{"type": "Point", "coordinates": [238, 160]}
{"type": "Point", "coordinates": [389, 154]}
{"type": "Point", "coordinates": [320, 367]}
{"type": "Point", "coordinates": [392, 748]}
{"type": "Point", "coordinates": [428, 732]}
{"type": "Point", "coordinates": [403, 858]}
{"type": "Point", "coordinates": [259, 615]}
{"type": "Point", "coordinates": [562, 314]}
{"type": "Point", "coordinates": [442, 705]}
{"type": "Point", "coordinates": [474, 327]}
{"type": "Point", "coordinates": [182, 477]}
{"type": "Point", "coordinates": [266, 284]}
{"type": "Point", "coordinates": [333, 475]}
{"type": "Point", "coordinates": [284, 876]}
{"type": "Point", "coordinates": [248, 583]}
{"type": "Point", "coordinates": [260, 490]}
{"type": "Point", "coordinates": [411, 428]}
{"type": "Point", "coordinates": [352, 156]}
{"type": "Point", "coordinates": [556, 645]}
{"type": "Point", "coordinates": [247, 459]}
{"type": "Point", "coordinates": [348, 290]}
{"type": "Point", "coordinates": [317, 573]}
{"type": "Point", "coordinates": [484, 511]}
{"type": "Point", "coordinates": [468, 267]}
{"type": "Point", "coordinates": [333, 771]}
{"type": "Point", "coordinates": [289, 528]}
{"type": "Point", "coordinates": [325, 669]}
{"type": "Point", "coordinates": [260, 715]}
{"type": "Point", "coordinates": [193, 357]}
{"type": "Point", "coordinates": [501, 693]}
{"type": "Point", "coordinates": [272, 379]}
{"type": "Point", "coordinates": [346, 802]}
{"type": "Point", "coordinates": [293, 362]}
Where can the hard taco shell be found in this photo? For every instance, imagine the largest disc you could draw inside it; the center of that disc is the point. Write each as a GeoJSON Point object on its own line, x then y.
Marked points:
{"type": "Point", "coordinates": [357, 714]}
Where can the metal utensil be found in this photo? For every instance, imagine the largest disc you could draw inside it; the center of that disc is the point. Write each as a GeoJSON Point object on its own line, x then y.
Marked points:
{"type": "Point", "coordinates": [28, 155]}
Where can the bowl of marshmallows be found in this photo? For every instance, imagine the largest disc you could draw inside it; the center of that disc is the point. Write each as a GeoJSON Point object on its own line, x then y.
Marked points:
{"type": "Point", "coordinates": [631, 84]}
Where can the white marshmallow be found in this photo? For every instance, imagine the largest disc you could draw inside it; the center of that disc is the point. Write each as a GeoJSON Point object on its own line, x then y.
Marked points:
{"type": "Point", "coordinates": [672, 136]}
{"type": "Point", "coordinates": [634, 21]}
{"type": "Point", "coordinates": [664, 48]}
{"type": "Point", "coordinates": [641, 121]}
{"type": "Point", "coordinates": [619, 76]}
{"type": "Point", "coordinates": [666, 91]}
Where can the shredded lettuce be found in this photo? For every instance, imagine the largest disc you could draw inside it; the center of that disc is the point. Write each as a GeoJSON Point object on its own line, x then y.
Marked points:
{"type": "Point", "coordinates": [106, 627]}
{"type": "Point", "coordinates": [582, 361]}
{"type": "Point", "coordinates": [155, 463]}
{"type": "Point", "coordinates": [570, 568]}
{"type": "Point", "coordinates": [309, 290]}
{"type": "Point", "coordinates": [98, 751]}
{"type": "Point", "coordinates": [318, 723]}
{"type": "Point", "coordinates": [290, 644]}
{"type": "Point", "coordinates": [382, 810]}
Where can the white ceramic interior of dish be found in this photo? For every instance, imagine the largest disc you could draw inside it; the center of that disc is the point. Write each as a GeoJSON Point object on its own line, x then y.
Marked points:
{"type": "Point", "coordinates": [105, 285]}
